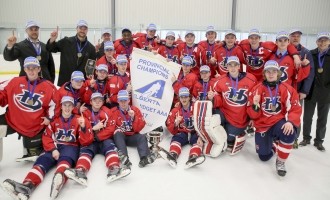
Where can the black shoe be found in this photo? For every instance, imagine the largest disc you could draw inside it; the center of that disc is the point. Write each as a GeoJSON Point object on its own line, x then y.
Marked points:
{"type": "Point", "coordinates": [304, 142]}
{"type": "Point", "coordinates": [319, 146]}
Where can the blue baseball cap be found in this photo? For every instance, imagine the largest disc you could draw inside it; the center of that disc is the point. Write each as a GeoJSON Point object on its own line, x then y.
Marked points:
{"type": "Point", "coordinates": [184, 92]}
{"type": "Point", "coordinates": [254, 31]}
{"type": "Point", "coordinates": [323, 35]}
{"type": "Point", "coordinates": [67, 99]}
{"type": "Point", "coordinates": [108, 45]}
{"type": "Point", "coordinates": [82, 23]}
{"type": "Point", "coordinates": [77, 75]}
{"type": "Point", "coordinates": [123, 95]}
{"type": "Point", "coordinates": [31, 61]}
{"type": "Point", "coordinates": [121, 59]}
{"type": "Point", "coordinates": [232, 59]}
{"type": "Point", "coordinates": [271, 64]}
{"type": "Point", "coordinates": [282, 34]}
{"type": "Point", "coordinates": [31, 23]}
{"type": "Point", "coordinates": [187, 60]}
{"type": "Point", "coordinates": [102, 67]}
{"type": "Point", "coordinates": [204, 68]}
{"type": "Point", "coordinates": [97, 95]}
{"type": "Point", "coordinates": [152, 27]}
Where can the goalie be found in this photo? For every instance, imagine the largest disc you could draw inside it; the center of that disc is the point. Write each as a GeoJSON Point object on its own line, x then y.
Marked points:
{"type": "Point", "coordinates": [232, 89]}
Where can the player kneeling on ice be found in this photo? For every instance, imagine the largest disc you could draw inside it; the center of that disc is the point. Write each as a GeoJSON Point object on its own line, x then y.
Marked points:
{"type": "Point", "coordinates": [275, 109]}
{"type": "Point", "coordinates": [103, 130]}
{"type": "Point", "coordinates": [60, 141]}
{"type": "Point", "coordinates": [129, 122]}
{"type": "Point", "coordinates": [180, 125]}
{"type": "Point", "coordinates": [233, 89]}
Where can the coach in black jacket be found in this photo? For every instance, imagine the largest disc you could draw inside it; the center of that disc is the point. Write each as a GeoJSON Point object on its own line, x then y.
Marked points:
{"type": "Point", "coordinates": [320, 93]}
{"type": "Point", "coordinates": [75, 51]}
{"type": "Point", "coordinates": [31, 46]}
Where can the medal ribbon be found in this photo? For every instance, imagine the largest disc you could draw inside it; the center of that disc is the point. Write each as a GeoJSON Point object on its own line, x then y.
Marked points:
{"type": "Point", "coordinates": [34, 87]}
{"type": "Point", "coordinates": [66, 128]}
{"type": "Point", "coordinates": [79, 48]}
{"type": "Point", "coordinates": [205, 86]}
{"type": "Point", "coordinates": [273, 98]}
{"type": "Point", "coordinates": [321, 61]}
{"type": "Point", "coordinates": [232, 84]}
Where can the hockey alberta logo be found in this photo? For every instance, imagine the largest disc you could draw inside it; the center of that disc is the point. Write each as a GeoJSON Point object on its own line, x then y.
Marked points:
{"type": "Point", "coordinates": [154, 89]}
{"type": "Point", "coordinates": [21, 101]}
{"type": "Point", "coordinates": [267, 106]}
{"type": "Point", "coordinates": [241, 97]}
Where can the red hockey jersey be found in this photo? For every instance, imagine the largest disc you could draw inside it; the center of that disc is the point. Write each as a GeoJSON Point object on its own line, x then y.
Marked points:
{"type": "Point", "coordinates": [186, 125]}
{"type": "Point", "coordinates": [286, 106]}
{"type": "Point", "coordinates": [112, 68]}
{"type": "Point", "coordinates": [194, 52]}
{"type": "Point", "coordinates": [198, 92]}
{"type": "Point", "coordinates": [101, 115]}
{"type": "Point", "coordinates": [117, 83]}
{"type": "Point", "coordinates": [125, 123]}
{"type": "Point", "coordinates": [234, 108]}
{"type": "Point", "coordinates": [22, 116]}
{"type": "Point", "coordinates": [100, 86]}
{"type": "Point", "coordinates": [66, 132]}
{"type": "Point", "coordinates": [171, 53]}
{"type": "Point", "coordinates": [208, 51]}
{"type": "Point", "coordinates": [222, 54]}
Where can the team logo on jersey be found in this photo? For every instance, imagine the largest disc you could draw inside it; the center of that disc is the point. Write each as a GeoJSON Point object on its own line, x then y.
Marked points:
{"type": "Point", "coordinates": [284, 76]}
{"type": "Point", "coordinates": [22, 101]}
{"type": "Point", "coordinates": [154, 89]}
{"type": "Point", "coordinates": [268, 107]}
{"type": "Point", "coordinates": [208, 55]}
{"type": "Point", "coordinates": [62, 137]}
{"type": "Point", "coordinates": [172, 58]}
{"type": "Point", "coordinates": [188, 124]}
{"type": "Point", "coordinates": [254, 61]}
{"type": "Point", "coordinates": [239, 100]}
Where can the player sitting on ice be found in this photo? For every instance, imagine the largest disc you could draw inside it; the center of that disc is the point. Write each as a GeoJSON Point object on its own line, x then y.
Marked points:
{"type": "Point", "coordinates": [103, 130]}
{"type": "Point", "coordinates": [274, 107]}
{"type": "Point", "coordinates": [129, 122]}
{"type": "Point", "coordinates": [180, 125]}
{"type": "Point", "coordinates": [61, 142]}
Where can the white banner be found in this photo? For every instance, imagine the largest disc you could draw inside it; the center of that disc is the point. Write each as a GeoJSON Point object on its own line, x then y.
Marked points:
{"type": "Point", "coordinates": [152, 86]}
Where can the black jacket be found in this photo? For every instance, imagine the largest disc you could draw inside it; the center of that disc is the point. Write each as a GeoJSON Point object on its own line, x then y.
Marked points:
{"type": "Point", "coordinates": [320, 90]}
{"type": "Point", "coordinates": [25, 49]}
{"type": "Point", "coordinates": [69, 58]}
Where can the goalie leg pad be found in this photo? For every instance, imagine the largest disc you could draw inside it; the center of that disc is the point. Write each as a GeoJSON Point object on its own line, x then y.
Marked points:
{"type": "Point", "coordinates": [238, 144]}
{"type": "Point", "coordinates": [33, 145]}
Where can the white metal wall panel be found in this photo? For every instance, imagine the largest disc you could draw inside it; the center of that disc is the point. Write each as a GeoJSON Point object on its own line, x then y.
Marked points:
{"type": "Point", "coordinates": [174, 14]}
{"type": "Point", "coordinates": [65, 13]}
{"type": "Point", "coordinates": [275, 15]}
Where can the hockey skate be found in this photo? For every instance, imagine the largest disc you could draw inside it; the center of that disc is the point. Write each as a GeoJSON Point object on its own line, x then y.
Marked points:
{"type": "Point", "coordinates": [115, 173]}
{"type": "Point", "coordinates": [17, 190]}
{"type": "Point", "coordinates": [280, 167]}
{"type": "Point", "coordinates": [78, 175]}
{"type": "Point", "coordinates": [169, 157]}
{"type": "Point", "coordinates": [31, 155]}
{"type": "Point", "coordinates": [124, 160]}
{"type": "Point", "coordinates": [295, 144]}
{"type": "Point", "coordinates": [57, 184]}
{"type": "Point", "coordinates": [147, 159]}
{"type": "Point", "coordinates": [194, 160]}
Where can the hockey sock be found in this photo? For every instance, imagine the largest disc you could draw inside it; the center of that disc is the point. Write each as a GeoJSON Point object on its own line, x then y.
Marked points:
{"type": "Point", "coordinates": [175, 147]}
{"type": "Point", "coordinates": [111, 159]}
{"type": "Point", "coordinates": [84, 162]}
{"type": "Point", "coordinates": [284, 150]}
{"type": "Point", "coordinates": [195, 150]}
{"type": "Point", "coordinates": [35, 175]}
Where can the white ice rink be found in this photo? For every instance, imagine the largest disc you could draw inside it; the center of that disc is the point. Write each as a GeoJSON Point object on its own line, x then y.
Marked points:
{"type": "Point", "coordinates": [227, 177]}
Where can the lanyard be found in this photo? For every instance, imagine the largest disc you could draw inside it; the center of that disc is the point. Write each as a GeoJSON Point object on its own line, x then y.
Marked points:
{"type": "Point", "coordinates": [31, 92]}
{"type": "Point", "coordinates": [189, 50]}
{"type": "Point", "coordinates": [66, 128]}
{"type": "Point", "coordinates": [186, 114]}
{"type": "Point", "coordinates": [281, 58]}
{"type": "Point", "coordinates": [205, 86]}
{"type": "Point", "coordinates": [251, 51]}
{"type": "Point", "coordinates": [273, 98]}
{"type": "Point", "coordinates": [230, 51]}
{"type": "Point", "coordinates": [321, 61]}
{"type": "Point", "coordinates": [169, 51]}
{"type": "Point", "coordinates": [100, 87]}
{"type": "Point", "coordinates": [210, 49]}
{"type": "Point", "coordinates": [232, 84]}
{"type": "Point", "coordinates": [79, 48]}
{"type": "Point", "coordinates": [75, 94]}
{"type": "Point", "coordinates": [128, 120]}
{"type": "Point", "coordinates": [36, 46]}
{"type": "Point", "coordinates": [95, 117]}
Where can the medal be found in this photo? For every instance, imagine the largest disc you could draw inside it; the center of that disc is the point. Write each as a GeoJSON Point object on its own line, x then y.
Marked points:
{"type": "Point", "coordinates": [235, 98]}
{"type": "Point", "coordinates": [320, 70]}
{"type": "Point", "coordinates": [67, 138]}
{"type": "Point", "coordinates": [30, 102]}
{"type": "Point", "coordinates": [273, 108]}
{"type": "Point", "coordinates": [39, 58]}
{"type": "Point", "coordinates": [79, 55]}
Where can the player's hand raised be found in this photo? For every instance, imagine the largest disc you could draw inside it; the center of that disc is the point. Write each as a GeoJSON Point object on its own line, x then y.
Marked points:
{"type": "Point", "coordinates": [256, 98]}
{"type": "Point", "coordinates": [178, 119]}
{"type": "Point", "coordinates": [54, 35]}
{"type": "Point", "coordinates": [11, 41]}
